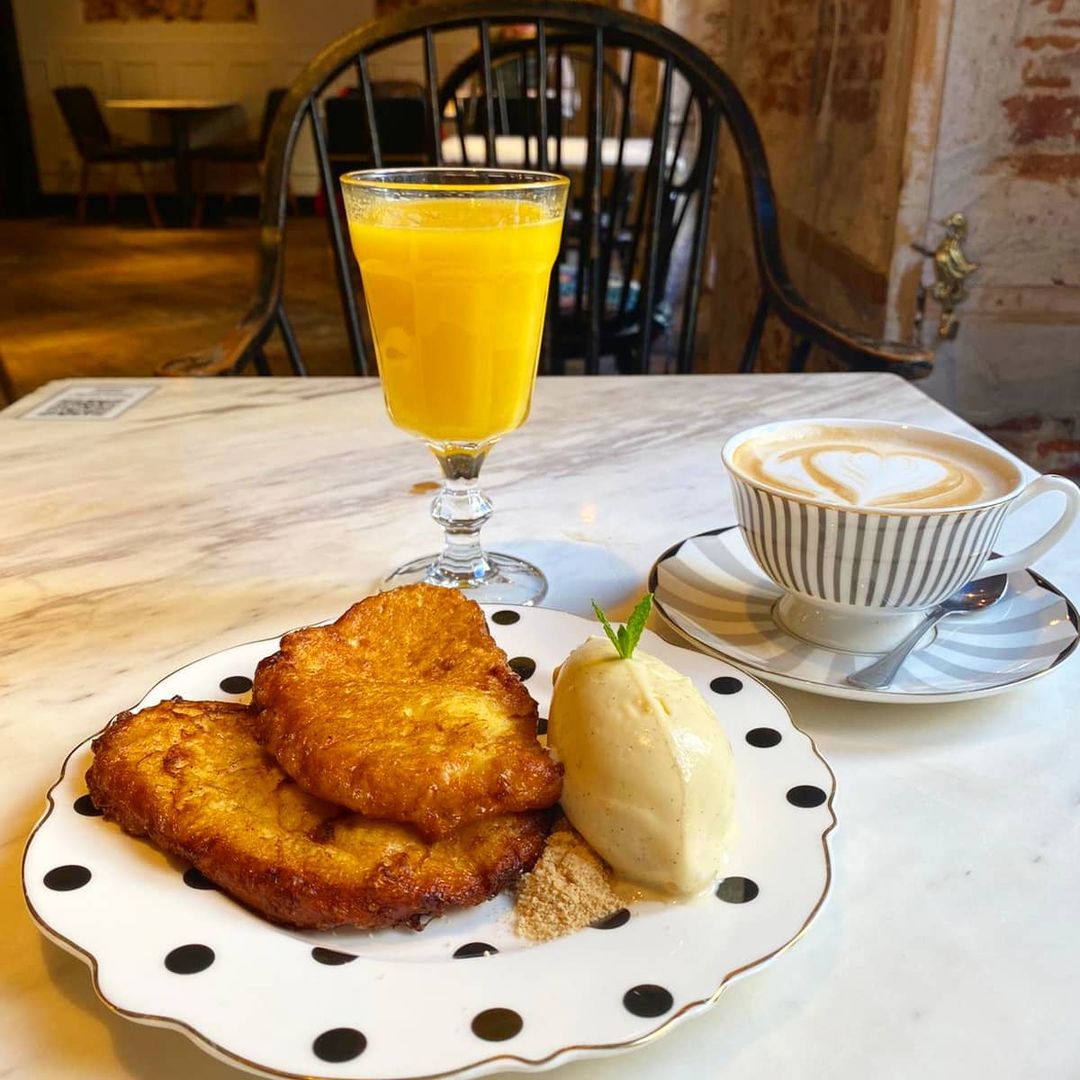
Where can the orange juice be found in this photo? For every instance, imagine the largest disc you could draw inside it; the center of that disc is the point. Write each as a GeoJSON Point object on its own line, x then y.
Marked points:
{"type": "Point", "coordinates": [456, 291]}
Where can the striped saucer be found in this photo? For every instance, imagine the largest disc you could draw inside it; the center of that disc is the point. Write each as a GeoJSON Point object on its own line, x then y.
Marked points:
{"type": "Point", "coordinates": [710, 590]}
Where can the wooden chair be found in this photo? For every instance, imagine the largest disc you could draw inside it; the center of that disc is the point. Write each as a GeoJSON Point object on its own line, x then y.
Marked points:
{"type": "Point", "coordinates": [693, 104]}
{"type": "Point", "coordinates": [97, 146]}
{"type": "Point", "coordinates": [249, 153]}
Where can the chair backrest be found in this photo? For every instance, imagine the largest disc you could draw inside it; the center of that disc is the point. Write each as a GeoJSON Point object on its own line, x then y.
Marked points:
{"type": "Point", "coordinates": [611, 247]}
{"type": "Point", "coordinates": [83, 118]}
{"type": "Point", "coordinates": [633, 214]}
{"type": "Point", "coordinates": [274, 98]}
{"type": "Point", "coordinates": [516, 86]}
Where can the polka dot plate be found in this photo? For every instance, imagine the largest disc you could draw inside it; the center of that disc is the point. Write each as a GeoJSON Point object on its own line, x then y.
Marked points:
{"type": "Point", "coordinates": [712, 592]}
{"type": "Point", "coordinates": [464, 997]}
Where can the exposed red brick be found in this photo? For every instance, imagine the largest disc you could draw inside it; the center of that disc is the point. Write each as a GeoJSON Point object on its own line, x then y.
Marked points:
{"type": "Point", "coordinates": [1034, 75]}
{"type": "Point", "coordinates": [1020, 423]}
{"type": "Point", "coordinates": [1065, 42]}
{"type": "Point", "coordinates": [1048, 167]}
{"type": "Point", "coordinates": [1042, 116]}
{"type": "Point", "coordinates": [1058, 446]}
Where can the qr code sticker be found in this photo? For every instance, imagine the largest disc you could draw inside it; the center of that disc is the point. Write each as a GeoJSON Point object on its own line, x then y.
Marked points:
{"type": "Point", "coordinates": [88, 403]}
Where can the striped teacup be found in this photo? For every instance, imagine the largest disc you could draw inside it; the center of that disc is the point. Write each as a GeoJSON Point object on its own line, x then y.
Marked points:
{"type": "Point", "coordinates": [865, 524]}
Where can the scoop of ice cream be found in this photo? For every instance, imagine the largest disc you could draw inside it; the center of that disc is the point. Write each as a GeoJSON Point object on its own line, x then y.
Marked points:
{"type": "Point", "coordinates": [649, 778]}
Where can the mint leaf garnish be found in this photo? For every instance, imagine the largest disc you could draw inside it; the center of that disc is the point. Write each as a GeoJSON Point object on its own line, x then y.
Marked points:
{"type": "Point", "coordinates": [625, 639]}
{"type": "Point", "coordinates": [607, 626]}
{"type": "Point", "coordinates": [636, 623]}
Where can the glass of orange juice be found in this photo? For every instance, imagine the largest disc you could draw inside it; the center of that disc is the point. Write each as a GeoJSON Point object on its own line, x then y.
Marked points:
{"type": "Point", "coordinates": [455, 265]}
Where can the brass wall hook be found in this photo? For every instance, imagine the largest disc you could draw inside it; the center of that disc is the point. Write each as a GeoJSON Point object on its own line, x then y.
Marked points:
{"type": "Point", "coordinates": [951, 269]}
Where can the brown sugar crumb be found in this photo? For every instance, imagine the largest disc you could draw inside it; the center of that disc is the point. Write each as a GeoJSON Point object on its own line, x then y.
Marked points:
{"type": "Point", "coordinates": [568, 888]}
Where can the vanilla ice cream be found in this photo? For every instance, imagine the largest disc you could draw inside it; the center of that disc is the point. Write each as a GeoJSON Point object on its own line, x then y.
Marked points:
{"type": "Point", "coordinates": [649, 778]}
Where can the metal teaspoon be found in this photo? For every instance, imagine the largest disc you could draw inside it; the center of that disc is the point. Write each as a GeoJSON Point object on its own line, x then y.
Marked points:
{"type": "Point", "coordinates": [971, 597]}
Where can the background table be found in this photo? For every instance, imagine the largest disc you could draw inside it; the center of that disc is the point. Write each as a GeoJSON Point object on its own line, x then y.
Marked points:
{"type": "Point", "coordinates": [179, 112]}
{"type": "Point", "coordinates": [217, 511]}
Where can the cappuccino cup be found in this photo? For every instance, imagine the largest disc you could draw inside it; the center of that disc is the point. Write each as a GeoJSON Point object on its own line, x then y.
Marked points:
{"type": "Point", "coordinates": [866, 524]}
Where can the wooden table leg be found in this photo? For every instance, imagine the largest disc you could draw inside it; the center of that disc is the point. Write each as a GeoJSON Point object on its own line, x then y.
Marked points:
{"type": "Point", "coordinates": [181, 138]}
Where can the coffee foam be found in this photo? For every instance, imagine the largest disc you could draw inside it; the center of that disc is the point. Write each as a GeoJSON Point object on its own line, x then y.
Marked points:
{"type": "Point", "coordinates": [874, 467]}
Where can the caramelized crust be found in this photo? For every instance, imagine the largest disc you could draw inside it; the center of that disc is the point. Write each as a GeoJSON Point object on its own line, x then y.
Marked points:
{"type": "Point", "coordinates": [192, 777]}
{"type": "Point", "coordinates": [405, 709]}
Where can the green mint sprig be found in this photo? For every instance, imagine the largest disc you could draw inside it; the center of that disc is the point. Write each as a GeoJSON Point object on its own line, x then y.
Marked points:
{"type": "Point", "coordinates": [625, 638]}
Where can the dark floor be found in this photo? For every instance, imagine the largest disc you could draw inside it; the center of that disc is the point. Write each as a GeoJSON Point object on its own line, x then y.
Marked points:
{"type": "Point", "coordinates": [106, 299]}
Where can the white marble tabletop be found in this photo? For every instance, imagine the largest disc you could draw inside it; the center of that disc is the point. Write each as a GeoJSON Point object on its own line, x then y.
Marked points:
{"type": "Point", "coordinates": [217, 511]}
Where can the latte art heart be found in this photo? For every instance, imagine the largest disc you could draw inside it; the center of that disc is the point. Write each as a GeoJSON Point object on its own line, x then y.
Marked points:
{"type": "Point", "coordinates": [865, 477]}
{"type": "Point", "coordinates": [873, 466]}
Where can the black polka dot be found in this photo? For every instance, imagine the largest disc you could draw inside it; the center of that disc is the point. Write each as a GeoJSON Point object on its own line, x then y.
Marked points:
{"type": "Point", "coordinates": [541, 725]}
{"type": "Point", "coordinates": [647, 1000]}
{"type": "Point", "coordinates": [737, 890]}
{"type": "Point", "coordinates": [474, 948]}
{"type": "Point", "coordinates": [339, 1044]}
{"type": "Point", "coordinates": [725, 685]}
{"type": "Point", "coordinates": [331, 957]}
{"type": "Point", "coordinates": [235, 684]}
{"type": "Point", "coordinates": [196, 879]}
{"type": "Point", "coordinates": [85, 805]}
{"type": "Point", "coordinates": [189, 959]}
{"type": "Point", "coordinates": [505, 618]}
{"type": "Point", "coordinates": [763, 737]}
{"type": "Point", "coordinates": [66, 878]}
{"type": "Point", "coordinates": [806, 795]}
{"type": "Point", "coordinates": [612, 921]}
{"type": "Point", "coordinates": [496, 1025]}
{"type": "Point", "coordinates": [524, 666]}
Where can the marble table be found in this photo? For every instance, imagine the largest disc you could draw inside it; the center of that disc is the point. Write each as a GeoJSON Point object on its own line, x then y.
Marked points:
{"type": "Point", "coordinates": [217, 511]}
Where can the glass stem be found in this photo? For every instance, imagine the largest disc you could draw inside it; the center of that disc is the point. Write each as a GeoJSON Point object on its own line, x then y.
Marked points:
{"type": "Point", "coordinates": [461, 508]}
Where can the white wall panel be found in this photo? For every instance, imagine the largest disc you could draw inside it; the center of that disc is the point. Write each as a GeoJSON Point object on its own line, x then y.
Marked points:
{"type": "Point", "coordinates": [139, 78]}
{"type": "Point", "coordinates": [196, 79]}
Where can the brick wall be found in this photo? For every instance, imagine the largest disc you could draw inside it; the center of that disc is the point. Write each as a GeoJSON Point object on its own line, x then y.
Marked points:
{"type": "Point", "coordinates": [1043, 112]}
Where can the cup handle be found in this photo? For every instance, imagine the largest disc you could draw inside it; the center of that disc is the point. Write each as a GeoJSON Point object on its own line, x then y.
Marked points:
{"type": "Point", "coordinates": [1022, 559]}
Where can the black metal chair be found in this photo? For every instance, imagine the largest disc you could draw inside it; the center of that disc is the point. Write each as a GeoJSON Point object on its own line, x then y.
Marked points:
{"type": "Point", "coordinates": [515, 86]}
{"type": "Point", "coordinates": [514, 106]}
{"type": "Point", "coordinates": [694, 102]}
{"type": "Point", "coordinates": [249, 152]}
{"type": "Point", "coordinates": [97, 146]}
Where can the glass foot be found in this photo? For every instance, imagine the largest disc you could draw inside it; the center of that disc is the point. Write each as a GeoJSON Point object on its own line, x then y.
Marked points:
{"type": "Point", "coordinates": [505, 580]}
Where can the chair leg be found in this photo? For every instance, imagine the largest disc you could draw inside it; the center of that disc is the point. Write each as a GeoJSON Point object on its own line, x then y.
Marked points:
{"type": "Point", "coordinates": [84, 186]}
{"type": "Point", "coordinates": [151, 205]}
{"type": "Point", "coordinates": [200, 208]}
{"type": "Point", "coordinates": [199, 213]}
{"type": "Point", "coordinates": [112, 191]}
{"type": "Point", "coordinates": [7, 389]}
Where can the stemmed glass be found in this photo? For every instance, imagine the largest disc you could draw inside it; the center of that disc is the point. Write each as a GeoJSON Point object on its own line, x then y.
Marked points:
{"type": "Point", "coordinates": [455, 265]}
